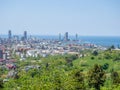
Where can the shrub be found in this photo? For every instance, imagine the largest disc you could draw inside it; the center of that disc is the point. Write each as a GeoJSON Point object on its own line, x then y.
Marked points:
{"type": "Point", "coordinates": [96, 77]}
{"type": "Point", "coordinates": [115, 77]}
{"type": "Point", "coordinates": [1, 83]}
{"type": "Point", "coordinates": [95, 53]}
{"type": "Point", "coordinates": [92, 58]}
{"type": "Point", "coordinates": [79, 80]}
{"type": "Point", "coordinates": [105, 66]}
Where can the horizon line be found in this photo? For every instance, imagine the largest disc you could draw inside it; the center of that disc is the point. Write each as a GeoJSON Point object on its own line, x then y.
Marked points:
{"type": "Point", "coordinates": [62, 35]}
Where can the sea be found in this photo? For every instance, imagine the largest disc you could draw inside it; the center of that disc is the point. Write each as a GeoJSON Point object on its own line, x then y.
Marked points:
{"type": "Point", "coordinates": [105, 41]}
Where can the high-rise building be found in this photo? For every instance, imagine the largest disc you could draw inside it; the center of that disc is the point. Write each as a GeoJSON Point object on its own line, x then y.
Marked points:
{"type": "Point", "coordinates": [25, 35]}
{"type": "Point", "coordinates": [9, 34]}
{"type": "Point", "coordinates": [76, 36]}
{"type": "Point", "coordinates": [1, 54]}
{"type": "Point", "coordinates": [66, 36]}
{"type": "Point", "coordinates": [59, 36]}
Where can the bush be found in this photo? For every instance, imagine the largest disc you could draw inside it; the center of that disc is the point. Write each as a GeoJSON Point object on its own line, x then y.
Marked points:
{"type": "Point", "coordinates": [96, 77]}
{"type": "Point", "coordinates": [95, 53]}
{"type": "Point", "coordinates": [79, 80]}
{"type": "Point", "coordinates": [105, 66]}
{"type": "Point", "coordinates": [1, 83]}
{"type": "Point", "coordinates": [117, 59]}
{"type": "Point", "coordinates": [115, 77]}
{"type": "Point", "coordinates": [70, 58]}
{"type": "Point", "coordinates": [92, 58]}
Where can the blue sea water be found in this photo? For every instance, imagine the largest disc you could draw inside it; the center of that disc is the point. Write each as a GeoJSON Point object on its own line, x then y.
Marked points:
{"type": "Point", "coordinates": [106, 41]}
{"type": "Point", "coordinates": [102, 40]}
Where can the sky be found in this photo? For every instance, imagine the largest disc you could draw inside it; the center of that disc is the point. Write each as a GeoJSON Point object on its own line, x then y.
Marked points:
{"type": "Point", "coordinates": [51, 17]}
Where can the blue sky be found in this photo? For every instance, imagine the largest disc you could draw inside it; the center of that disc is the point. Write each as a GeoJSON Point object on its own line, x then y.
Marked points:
{"type": "Point", "coordinates": [51, 17]}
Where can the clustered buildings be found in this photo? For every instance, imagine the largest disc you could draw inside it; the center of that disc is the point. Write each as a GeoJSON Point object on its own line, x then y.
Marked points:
{"type": "Point", "coordinates": [24, 47]}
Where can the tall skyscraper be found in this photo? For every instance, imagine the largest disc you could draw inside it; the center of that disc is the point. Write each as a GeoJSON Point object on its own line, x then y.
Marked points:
{"type": "Point", "coordinates": [59, 36]}
{"type": "Point", "coordinates": [66, 36]}
{"type": "Point", "coordinates": [1, 54]}
{"type": "Point", "coordinates": [76, 36]}
{"type": "Point", "coordinates": [25, 35]}
{"type": "Point", "coordinates": [9, 34]}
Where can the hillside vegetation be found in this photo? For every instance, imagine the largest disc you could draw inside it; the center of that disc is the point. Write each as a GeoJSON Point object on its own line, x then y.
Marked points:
{"type": "Point", "coordinates": [96, 70]}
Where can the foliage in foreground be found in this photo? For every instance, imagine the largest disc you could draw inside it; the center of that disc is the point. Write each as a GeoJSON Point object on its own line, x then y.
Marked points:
{"type": "Point", "coordinates": [69, 73]}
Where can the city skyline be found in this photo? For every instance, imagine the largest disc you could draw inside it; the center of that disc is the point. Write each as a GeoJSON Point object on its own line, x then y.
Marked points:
{"type": "Point", "coordinates": [51, 17]}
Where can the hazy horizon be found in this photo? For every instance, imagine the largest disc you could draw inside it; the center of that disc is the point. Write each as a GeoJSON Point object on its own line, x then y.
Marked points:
{"type": "Point", "coordinates": [51, 17]}
{"type": "Point", "coordinates": [57, 35]}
